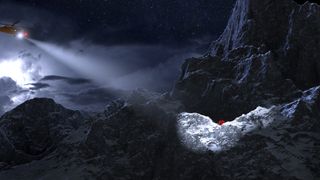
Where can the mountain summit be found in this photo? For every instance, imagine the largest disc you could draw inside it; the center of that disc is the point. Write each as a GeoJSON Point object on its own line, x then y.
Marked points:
{"type": "Point", "coordinates": [33, 129]}
{"type": "Point", "coordinates": [268, 54]}
{"type": "Point", "coordinates": [291, 32]}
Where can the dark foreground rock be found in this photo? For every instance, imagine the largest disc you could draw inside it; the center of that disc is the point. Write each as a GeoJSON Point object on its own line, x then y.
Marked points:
{"type": "Point", "coordinates": [33, 129]}
{"type": "Point", "coordinates": [143, 141]}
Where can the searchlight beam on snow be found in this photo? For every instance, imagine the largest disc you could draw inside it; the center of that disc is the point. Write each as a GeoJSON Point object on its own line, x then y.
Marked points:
{"type": "Point", "coordinates": [200, 133]}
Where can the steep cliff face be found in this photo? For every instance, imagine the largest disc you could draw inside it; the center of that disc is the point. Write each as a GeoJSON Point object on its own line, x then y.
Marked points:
{"type": "Point", "coordinates": [267, 54]}
{"type": "Point", "coordinates": [287, 29]}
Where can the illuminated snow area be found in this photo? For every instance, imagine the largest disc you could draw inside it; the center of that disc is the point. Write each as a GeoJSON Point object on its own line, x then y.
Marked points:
{"type": "Point", "coordinates": [200, 133]}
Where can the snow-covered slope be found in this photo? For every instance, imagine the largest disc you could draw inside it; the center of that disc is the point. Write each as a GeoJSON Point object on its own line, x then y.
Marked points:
{"type": "Point", "coordinates": [284, 139]}
{"type": "Point", "coordinates": [200, 132]}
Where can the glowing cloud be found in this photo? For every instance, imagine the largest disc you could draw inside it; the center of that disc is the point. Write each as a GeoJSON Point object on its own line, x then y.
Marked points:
{"type": "Point", "coordinates": [14, 70]}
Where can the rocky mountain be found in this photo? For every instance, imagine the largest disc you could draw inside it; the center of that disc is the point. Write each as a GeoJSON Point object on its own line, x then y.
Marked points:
{"type": "Point", "coordinates": [33, 129]}
{"type": "Point", "coordinates": [268, 54]}
{"type": "Point", "coordinates": [143, 139]}
{"type": "Point", "coordinates": [303, 1]}
{"type": "Point", "coordinates": [261, 76]}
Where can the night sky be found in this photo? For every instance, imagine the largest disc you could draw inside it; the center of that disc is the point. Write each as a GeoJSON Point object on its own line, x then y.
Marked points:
{"type": "Point", "coordinates": [123, 21]}
{"type": "Point", "coordinates": [89, 51]}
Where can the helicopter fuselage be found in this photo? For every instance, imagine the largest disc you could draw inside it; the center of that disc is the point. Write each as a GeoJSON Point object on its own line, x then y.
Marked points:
{"type": "Point", "coordinates": [9, 30]}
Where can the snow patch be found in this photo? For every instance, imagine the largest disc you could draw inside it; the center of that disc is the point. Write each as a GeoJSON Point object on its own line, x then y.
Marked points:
{"type": "Point", "coordinates": [311, 95]}
{"type": "Point", "coordinates": [290, 109]}
{"type": "Point", "coordinates": [200, 133]}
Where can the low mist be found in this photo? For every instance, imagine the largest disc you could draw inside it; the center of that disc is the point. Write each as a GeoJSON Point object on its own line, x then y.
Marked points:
{"type": "Point", "coordinates": [120, 67]}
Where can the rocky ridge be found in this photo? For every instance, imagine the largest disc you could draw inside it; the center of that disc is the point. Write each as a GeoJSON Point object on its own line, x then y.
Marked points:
{"type": "Point", "coordinates": [267, 55]}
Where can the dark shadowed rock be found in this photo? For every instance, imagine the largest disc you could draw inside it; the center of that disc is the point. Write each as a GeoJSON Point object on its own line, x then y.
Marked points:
{"type": "Point", "coordinates": [34, 128]}
{"type": "Point", "coordinates": [305, 1]}
{"type": "Point", "coordinates": [290, 31]}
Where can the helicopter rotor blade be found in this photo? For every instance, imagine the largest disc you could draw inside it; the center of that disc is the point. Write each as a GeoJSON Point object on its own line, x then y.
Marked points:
{"type": "Point", "coordinates": [16, 22]}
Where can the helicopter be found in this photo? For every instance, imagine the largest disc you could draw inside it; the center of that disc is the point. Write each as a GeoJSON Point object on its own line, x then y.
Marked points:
{"type": "Point", "coordinates": [13, 30]}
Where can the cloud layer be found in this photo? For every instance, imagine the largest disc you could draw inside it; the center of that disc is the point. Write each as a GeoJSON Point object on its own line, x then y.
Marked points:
{"type": "Point", "coordinates": [8, 89]}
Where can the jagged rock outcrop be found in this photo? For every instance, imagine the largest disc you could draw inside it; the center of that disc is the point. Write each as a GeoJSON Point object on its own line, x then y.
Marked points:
{"type": "Point", "coordinates": [34, 128]}
{"type": "Point", "coordinates": [290, 31]}
{"type": "Point", "coordinates": [268, 54]}
{"type": "Point", "coordinates": [287, 149]}
{"type": "Point", "coordinates": [279, 142]}
{"type": "Point", "coordinates": [304, 1]}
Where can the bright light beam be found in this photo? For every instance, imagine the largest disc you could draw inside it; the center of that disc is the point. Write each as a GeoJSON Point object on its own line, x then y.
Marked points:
{"type": "Point", "coordinates": [99, 71]}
